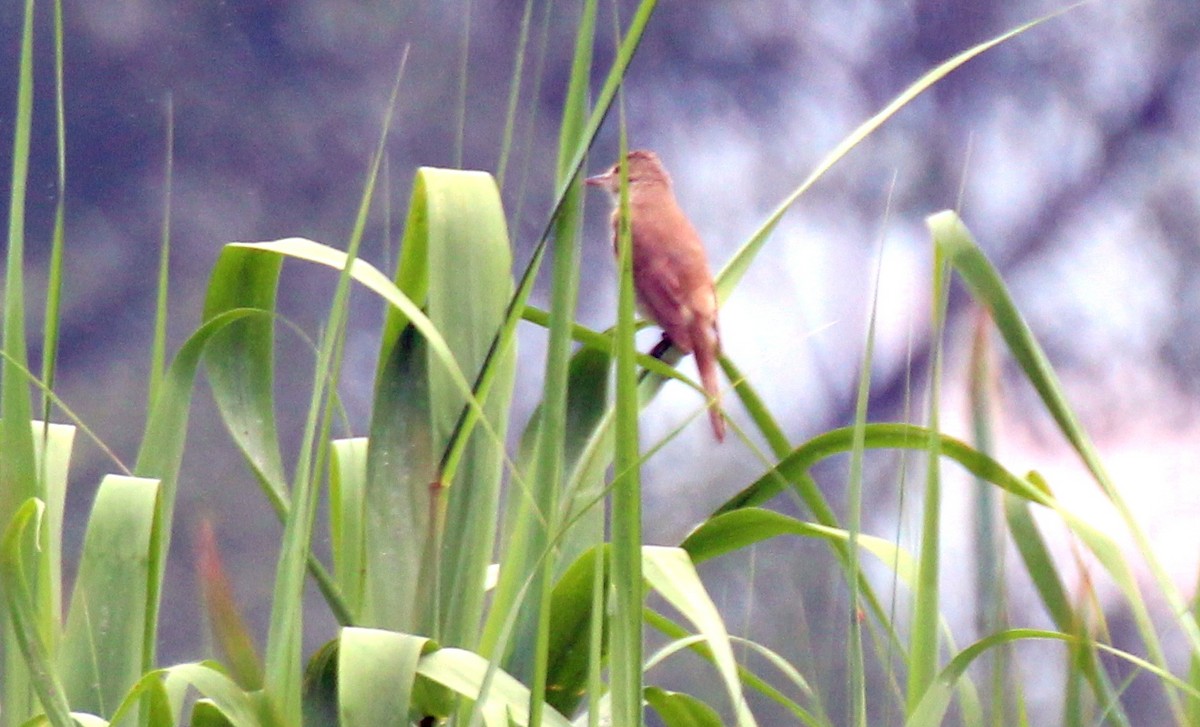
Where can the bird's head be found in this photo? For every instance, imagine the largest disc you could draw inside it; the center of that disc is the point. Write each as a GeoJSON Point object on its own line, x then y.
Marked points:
{"type": "Point", "coordinates": [644, 170]}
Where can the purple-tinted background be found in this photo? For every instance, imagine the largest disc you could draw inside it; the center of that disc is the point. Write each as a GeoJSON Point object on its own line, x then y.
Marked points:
{"type": "Point", "coordinates": [1073, 153]}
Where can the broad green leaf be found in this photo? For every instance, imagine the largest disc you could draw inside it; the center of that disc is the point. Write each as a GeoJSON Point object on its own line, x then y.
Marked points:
{"type": "Point", "coordinates": [468, 240]}
{"type": "Point", "coordinates": [347, 514]}
{"type": "Point", "coordinates": [455, 232]}
{"type": "Point", "coordinates": [376, 670]}
{"type": "Point", "coordinates": [464, 672]}
{"type": "Point", "coordinates": [571, 613]}
{"type": "Point", "coordinates": [52, 447]}
{"type": "Point", "coordinates": [240, 362]}
{"type": "Point", "coordinates": [104, 641]}
{"type": "Point", "coordinates": [234, 704]}
{"type": "Point", "coordinates": [677, 709]}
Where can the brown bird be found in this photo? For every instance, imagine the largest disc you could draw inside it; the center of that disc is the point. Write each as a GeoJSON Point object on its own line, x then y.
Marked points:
{"type": "Point", "coordinates": [670, 270]}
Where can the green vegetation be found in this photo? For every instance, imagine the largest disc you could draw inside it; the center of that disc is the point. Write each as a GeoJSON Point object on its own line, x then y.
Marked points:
{"type": "Point", "coordinates": [430, 629]}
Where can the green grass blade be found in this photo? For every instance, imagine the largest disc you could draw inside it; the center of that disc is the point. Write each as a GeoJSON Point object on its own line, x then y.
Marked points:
{"type": "Point", "coordinates": [587, 405]}
{"type": "Point", "coordinates": [748, 678]}
{"type": "Point", "coordinates": [31, 652]}
{"type": "Point", "coordinates": [514, 94]}
{"type": "Point", "coordinates": [754, 405]}
{"type": "Point", "coordinates": [857, 707]}
{"type": "Point", "coordinates": [158, 350]}
{"type": "Point", "coordinates": [53, 444]}
{"type": "Point", "coordinates": [933, 707]}
{"type": "Point", "coordinates": [103, 644]}
{"type": "Point", "coordinates": [625, 512]}
{"type": "Point", "coordinates": [1039, 565]}
{"type": "Point", "coordinates": [738, 529]}
{"type": "Point", "coordinates": [793, 468]}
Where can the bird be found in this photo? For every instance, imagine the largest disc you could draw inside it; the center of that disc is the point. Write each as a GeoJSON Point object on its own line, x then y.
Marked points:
{"type": "Point", "coordinates": [671, 276]}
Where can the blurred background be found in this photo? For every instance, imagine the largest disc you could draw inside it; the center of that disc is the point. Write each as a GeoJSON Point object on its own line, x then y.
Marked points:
{"type": "Point", "coordinates": [1072, 152]}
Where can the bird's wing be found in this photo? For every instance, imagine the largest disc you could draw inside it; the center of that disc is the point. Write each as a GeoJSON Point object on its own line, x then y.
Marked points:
{"type": "Point", "coordinates": [661, 293]}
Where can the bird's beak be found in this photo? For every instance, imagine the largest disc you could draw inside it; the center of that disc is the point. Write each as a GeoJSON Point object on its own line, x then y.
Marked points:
{"type": "Point", "coordinates": [600, 180]}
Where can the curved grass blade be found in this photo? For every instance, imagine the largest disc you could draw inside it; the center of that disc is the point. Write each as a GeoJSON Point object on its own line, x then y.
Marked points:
{"type": "Point", "coordinates": [699, 645]}
{"type": "Point", "coordinates": [793, 468]}
{"type": "Point", "coordinates": [161, 451]}
{"type": "Point", "coordinates": [955, 242]}
{"type": "Point", "coordinates": [733, 271]}
{"type": "Point", "coordinates": [670, 572]}
{"type": "Point", "coordinates": [738, 529]}
{"type": "Point", "coordinates": [54, 277]}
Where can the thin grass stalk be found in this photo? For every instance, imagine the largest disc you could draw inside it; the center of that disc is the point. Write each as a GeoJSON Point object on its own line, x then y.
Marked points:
{"type": "Point", "coordinates": [517, 208]}
{"type": "Point", "coordinates": [18, 474]}
{"type": "Point", "coordinates": [282, 683]}
{"type": "Point", "coordinates": [923, 641]}
{"type": "Point", "coordinates": [989, 574]}
{"type": "Point", "coordinates": [551, 447]}
{"type": "Point", "coordinates": [51, 573]}
{"type": "Point", "coordinates": [460, 104]}
{"type": "Point", "coordinates": [158, 350]}
{"type": "Point", "coordinates": [514, 95]}
{"type": "Point", "coordinates": [50, 323]}
{"type": "Point", "coordinates": [625, 665]}
{"type": "Point", "coordinates": [857, 713]}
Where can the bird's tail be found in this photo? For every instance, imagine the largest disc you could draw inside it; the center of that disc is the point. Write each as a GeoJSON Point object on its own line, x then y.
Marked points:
{"type": "Point", "coordinates": [706, 362]}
